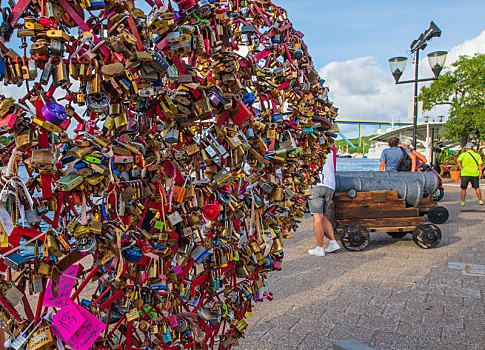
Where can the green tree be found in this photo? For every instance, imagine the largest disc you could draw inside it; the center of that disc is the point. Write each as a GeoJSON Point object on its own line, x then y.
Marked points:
{"type": "Point", "coordinates": [462, 89]}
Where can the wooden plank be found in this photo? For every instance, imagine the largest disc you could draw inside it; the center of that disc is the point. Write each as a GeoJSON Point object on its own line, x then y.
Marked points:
{"type": "Point", "coordinates": [372, 212]}
{"type": "Point", "coordinates": [382, 222]}
{"type": "Point", "coordinates": [343, 196]}
{"type": "Point", "coordinates": [425, 206]}
{"type": "Point", "coordinates": [396, 205]}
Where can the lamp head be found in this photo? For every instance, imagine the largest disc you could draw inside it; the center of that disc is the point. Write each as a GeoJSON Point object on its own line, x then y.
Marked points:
{"type": "Point", "coordinates": [397, 65]}
{"type": "Point", "coordinates": [437, 61]}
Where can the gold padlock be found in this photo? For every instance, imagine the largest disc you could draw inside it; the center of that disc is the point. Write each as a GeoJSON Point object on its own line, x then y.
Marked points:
{"type": "Point", "coordinates": [53, 245]}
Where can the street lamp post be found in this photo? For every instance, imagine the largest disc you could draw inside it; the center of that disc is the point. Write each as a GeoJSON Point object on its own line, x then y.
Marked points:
{"type": "Point", "coordinates": [436, 61]}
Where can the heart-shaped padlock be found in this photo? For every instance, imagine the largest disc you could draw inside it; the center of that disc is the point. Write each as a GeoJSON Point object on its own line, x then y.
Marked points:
{"type": "Point", "coordinates": [211, 210]}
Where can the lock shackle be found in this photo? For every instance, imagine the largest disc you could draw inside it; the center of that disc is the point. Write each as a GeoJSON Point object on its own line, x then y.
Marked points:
{"type": "Point", "coordinates": [6, 13]}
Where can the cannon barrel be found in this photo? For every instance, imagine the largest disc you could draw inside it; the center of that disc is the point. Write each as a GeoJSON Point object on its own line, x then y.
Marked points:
{"type": "Point", "coordinates": [428, 178]}
{"type": "Point", "coordinates": [411, 190]}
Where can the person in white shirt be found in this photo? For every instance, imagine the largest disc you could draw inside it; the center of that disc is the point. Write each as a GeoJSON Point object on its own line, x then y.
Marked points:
{"type": "Point", "coordinates": [322, 194]}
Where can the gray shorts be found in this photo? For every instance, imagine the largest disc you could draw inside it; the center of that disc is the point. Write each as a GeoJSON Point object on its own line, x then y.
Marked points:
{"type": "Point", "coordinates": [320, 199]}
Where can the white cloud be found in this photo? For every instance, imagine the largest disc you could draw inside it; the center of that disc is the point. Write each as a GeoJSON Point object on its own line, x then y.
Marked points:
{"type": "Point", "coordinates": [364, 90]}
{"type": "Point", "coordinates": [469, 47]}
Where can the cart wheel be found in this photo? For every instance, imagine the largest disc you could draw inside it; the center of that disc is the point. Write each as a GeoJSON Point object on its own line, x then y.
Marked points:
{"type": "Point", "coordinates": [397, 234]}
{"type": "Point", "coordinates": [438, 194]}
{"type": "Point", "coordinates": [427, 235]}
{"type": "Point", "coordinates": [354, 237]}
{"type": "Point", "coordinates": [438, 215]}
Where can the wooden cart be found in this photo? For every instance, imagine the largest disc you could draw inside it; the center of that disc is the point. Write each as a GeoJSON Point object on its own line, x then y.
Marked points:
{"type": "Point", "coordinates": [436, 213]}
{"type": "Point", "coordinates": [382, 211]}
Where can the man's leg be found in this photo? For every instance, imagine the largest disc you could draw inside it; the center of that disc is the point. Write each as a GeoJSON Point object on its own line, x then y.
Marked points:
{"type": "Point", "coordinates": [464, 185]}
{"type": "Point", "coordinates": [476, 186]}
{"type": "Point", "coordinates": [328, 229]}
{"type": "Point", "coordinates": [333, 246]}
{"type": "Point", "coordinates": [319, 228]}
{"type": "Point", "coordinates": [479, 193]}
{"type": "Point", "coordinates": [316, 208]}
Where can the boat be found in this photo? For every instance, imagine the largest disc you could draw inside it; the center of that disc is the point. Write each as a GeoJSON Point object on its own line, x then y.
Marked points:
{"type": "Point", "coordinates": [375, 149]}
{"type": "Point", "coordinates": [345, 154]}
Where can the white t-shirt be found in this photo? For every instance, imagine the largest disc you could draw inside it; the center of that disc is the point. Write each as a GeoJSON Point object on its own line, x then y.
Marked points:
{"type": "Point", "coordinates": [327, 176]}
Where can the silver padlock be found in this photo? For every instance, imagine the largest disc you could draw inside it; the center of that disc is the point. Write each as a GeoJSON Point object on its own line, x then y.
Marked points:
{"type": "Point", "coordinates": [20, 342]}
{"type": "Point", "coordinates": [13, 295]}
{"type": "Point", "coordinates": [32, 216]}
{"type": "Point", "coordinates": [98, 102]}
{"type": "Point", "coordinates": [37, 283]}
{"type": "Point", "coordinates": [86, 245]}
{"type": "Point", "coordinates": [174, 218]}
{"type": "Point", "coordinates": [147, 92]}
{"type": "Point", "coordinates": [172, 136]}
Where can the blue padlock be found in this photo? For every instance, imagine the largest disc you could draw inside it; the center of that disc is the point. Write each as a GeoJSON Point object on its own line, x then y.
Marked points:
{"type": "Point", "coordinates": [167, 336]}
{"type": "Point", "coordinates": [79, 165]}
{"type": "Point", "coordinates": [248, 99]}
{"type": "Point", "coordinates": [134, 254]}
{"type": "Point", "coordinates": [268, 263]}
{"type": "Point", "coordinates": [276, 117]}
{"type": "Point", "coordinates": [2, 69]}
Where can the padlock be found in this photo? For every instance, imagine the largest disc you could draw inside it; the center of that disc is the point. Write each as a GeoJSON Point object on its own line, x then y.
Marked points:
{"type": "Point", "coordinates": [23, 140]}
{"type": "Point", "coordinates": [7, 122]}
{"type": "Point", "coordinates": [43, 159]}
{"type": "Point", "coordinates": [174, 218]}
{"type": "Point", "coordinates": [69, 182]}
{"type": "Point", "coordinates": [86, 245]}
{"type": "Point", "coordinates": [53, 245]}
{"type": "Point", "coordinates": [211, 211]}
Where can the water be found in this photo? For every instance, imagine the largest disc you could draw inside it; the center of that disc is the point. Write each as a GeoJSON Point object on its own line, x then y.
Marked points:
{"type": "Point", "coordinates": [357, 164]}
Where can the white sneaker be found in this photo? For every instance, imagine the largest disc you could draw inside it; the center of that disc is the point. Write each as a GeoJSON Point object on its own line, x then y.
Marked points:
{"type": "Point", "coordinates": [318, 251]}
{"type": "Point", "coordinates": [333, 247]}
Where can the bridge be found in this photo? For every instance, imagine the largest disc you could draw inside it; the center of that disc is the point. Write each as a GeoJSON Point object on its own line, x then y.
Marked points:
{"type": "Point", "coordinates": [368, 122]}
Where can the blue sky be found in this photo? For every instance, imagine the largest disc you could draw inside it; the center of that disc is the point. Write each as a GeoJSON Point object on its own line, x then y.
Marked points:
{"type": "Point", "coordinates": [343, 30]}
{"type": "Point", "coordinates": [351, 42]}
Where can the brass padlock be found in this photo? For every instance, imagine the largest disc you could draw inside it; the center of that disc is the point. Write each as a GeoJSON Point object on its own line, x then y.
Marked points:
{"type": "Point", "coordinates": [53, 245]}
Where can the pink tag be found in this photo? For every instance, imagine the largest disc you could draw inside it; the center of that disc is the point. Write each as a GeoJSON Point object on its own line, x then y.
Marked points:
{"type": "Point", "coordinates": [68, 320]}
{"type": "Point", "coordinates": [88, 333]}
{"type": "Point", "coordinates": [64, 288]}
{"type": "Point", "coordinates": [177, 269]}
{"type": "Point", "coordinates": [173, 321]}
{"type": "Point", "coordinates": [283, 86]}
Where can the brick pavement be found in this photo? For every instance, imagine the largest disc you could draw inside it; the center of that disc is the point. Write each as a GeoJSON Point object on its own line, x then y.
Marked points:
{"type": "Point", "coordinates": [393, 295]}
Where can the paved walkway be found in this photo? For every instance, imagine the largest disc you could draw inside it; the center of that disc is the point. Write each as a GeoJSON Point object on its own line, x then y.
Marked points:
{"type": "Point", "coordinates": [393, 295]}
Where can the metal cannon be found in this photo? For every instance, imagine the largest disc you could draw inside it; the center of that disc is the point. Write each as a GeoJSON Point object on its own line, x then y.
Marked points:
{"type": "Point", "coordinates": [429, 179]}
{"type": "Point", "coordinates": [410, 190]}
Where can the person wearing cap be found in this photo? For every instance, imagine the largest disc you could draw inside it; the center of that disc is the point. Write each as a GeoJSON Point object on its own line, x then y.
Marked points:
{"type": "Point", "coordinates": [470, 164]}
{"type": "Point", "coordinates": [319, 201]}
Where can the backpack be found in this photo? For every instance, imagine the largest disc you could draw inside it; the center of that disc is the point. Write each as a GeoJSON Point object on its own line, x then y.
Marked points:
{"type": "Point", "coordinates": [405, 163]}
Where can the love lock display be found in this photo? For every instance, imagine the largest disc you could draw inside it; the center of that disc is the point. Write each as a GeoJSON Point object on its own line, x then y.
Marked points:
{"type": "Point", "coordinates": [152, 170]}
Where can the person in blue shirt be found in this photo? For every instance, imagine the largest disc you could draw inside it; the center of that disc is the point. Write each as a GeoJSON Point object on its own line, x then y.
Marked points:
{"type": "Point", "coordinates": [391, 156]}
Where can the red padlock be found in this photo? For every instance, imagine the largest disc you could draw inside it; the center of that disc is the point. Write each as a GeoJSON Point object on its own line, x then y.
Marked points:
{"type": "Point", "coordinates": [8, 122]}
{"type": "Point", "coordinates": [186, 4]}
{"type": "Point", "coordinates": [211, 211]}
{"type": "Point", "coordinates": [242, 114]}
{"type": "Point", "coordinates": [48, 22]}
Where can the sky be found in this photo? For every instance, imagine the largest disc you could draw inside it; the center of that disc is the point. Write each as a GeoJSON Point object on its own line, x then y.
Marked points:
{"type": "Point", "coordinates": [351, 41]}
